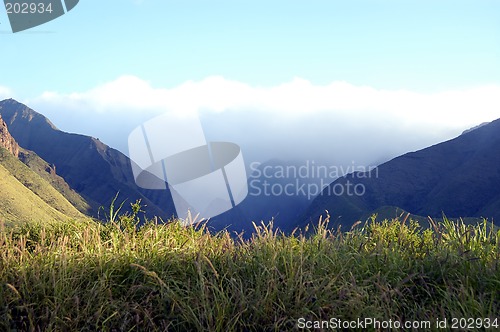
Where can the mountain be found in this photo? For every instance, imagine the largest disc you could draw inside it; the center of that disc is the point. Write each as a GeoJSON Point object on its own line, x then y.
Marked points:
{"type": "Point", "coordinates": [460, 178]}
{"type": "Point", "coordinates": [24, 195]}
{"type": "Point", "coordinates": [40, 167]}
{"type": "Point", "coordinates": [94, 170]}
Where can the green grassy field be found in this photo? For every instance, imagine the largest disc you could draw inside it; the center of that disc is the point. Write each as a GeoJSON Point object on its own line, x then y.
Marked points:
{"type": "Point", "coordinates": [86, 276]}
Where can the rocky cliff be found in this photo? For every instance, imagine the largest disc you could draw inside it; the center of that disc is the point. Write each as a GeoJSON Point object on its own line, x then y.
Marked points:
{"type": "Point", "coordinates": [6, 140]}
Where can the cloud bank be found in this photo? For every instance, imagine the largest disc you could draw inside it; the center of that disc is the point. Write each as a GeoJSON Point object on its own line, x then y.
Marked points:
{"type": "Point", "coordinates": [338, 123]}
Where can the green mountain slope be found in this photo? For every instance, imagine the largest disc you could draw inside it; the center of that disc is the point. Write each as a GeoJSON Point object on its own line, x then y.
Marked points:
{"type": "Point", "coordinates": [48, 172]}
{"type": "Point", "coordinates": [26, 197]}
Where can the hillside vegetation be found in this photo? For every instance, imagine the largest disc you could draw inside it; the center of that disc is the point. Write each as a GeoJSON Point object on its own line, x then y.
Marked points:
{"type": "Point", "coordinates": [86, 276]}
{"type": "Point", "coordinates": [25, 196]}
{"type": "Point", "coordinates": [48, 172]}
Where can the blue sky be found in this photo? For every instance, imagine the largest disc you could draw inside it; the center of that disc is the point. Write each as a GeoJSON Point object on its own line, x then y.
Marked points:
{"type": "Point", "coordinates": [416, 45]}
{"type": "Point", "coordinates": [379, 68]}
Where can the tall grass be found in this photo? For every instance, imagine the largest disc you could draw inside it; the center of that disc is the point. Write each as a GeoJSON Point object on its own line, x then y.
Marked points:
{"type": "Point", "coordinates": [86, 276]}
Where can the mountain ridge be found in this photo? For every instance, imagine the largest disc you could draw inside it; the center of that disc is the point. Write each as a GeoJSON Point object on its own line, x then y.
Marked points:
{"type": "Point", "coordinates": [459, 177]}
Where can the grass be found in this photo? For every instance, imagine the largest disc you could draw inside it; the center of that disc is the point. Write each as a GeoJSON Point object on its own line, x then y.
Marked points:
{"type": "Point", "coordinates": [86, 276]}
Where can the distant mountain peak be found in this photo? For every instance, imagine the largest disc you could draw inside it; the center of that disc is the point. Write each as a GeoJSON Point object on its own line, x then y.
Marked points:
{"type": "Point", "coordinates": [13, 109]}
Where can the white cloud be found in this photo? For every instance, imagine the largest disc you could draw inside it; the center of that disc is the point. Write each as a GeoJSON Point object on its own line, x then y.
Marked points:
{"type": "Point", "coordinates": [5, 92]}
{"type": "Point", "coordinates": [295, 98]}
{"type": "Point", "coordinates": [337, 122]}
